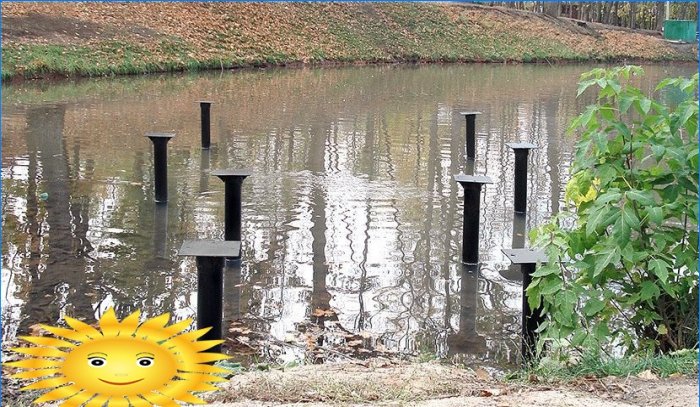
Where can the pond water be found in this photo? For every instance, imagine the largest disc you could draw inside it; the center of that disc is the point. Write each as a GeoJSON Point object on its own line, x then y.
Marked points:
{"type": "Point", "coordinates": [351, 220]}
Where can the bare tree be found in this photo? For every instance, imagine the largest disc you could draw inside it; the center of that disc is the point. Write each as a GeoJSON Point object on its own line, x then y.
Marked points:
{"type": "Point", "coordinates": [633, 15]}
{"type": "Point", "coordinates": [551, 9]}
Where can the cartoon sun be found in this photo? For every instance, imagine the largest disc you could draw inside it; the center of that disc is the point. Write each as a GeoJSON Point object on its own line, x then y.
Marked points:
{"type": "Point", "coordinates": [122, 364]}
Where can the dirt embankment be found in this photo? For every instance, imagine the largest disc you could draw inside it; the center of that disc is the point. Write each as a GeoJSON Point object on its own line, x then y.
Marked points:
{"type": "Point", "coordinates": [433, 385]}
{"type": "Point", "coordinates": [40, 39]}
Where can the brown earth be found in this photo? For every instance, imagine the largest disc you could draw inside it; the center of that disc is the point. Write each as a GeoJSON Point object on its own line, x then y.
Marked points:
{"type": "Point", "coordinates": [168, 36]}
{"type": "Point", "coordinates": [382, 383]}
{"type": "Point", "coordinates": [432, 385]}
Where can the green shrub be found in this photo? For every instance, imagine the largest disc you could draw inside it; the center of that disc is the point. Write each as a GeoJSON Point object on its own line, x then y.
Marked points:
{"type": "Point", "coordinates": [623, 261]}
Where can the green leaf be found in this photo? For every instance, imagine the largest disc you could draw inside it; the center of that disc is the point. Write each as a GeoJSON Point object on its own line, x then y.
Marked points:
{"type": "Point", "coordinates": [645, 105]}
{"type": "Point", "coordinates": [660, 241]}
{"type": "Point", "coordinates": [615, 85]}
{"type": "Point", "coordinates": [600, 140]}
{"type": "Point", "coordinates": [660, 269]}
{"type": "Point", "coordinates": [629, 218]}
{"type": "Point", "coordinates": [687, 110]}
{"type": "Point", "coordinates": [607, 113]}
{"type": "Point", "coordinates": [543, 326]}
{"type": "Point", "coordinates": [656, 215]}
{"type": "Point", "coordinates": [664, 83]}
{"type": "Point", "coordinates": [595, 220]}
{"type": "Point", "coordinates": [622, 129]}
{"type": "Point", "coordinates": [601, 332]}
{"type": "Point", "coordinates": [607, 173]}
{"type": "Point", "coordinates": [610, 196]}
{"type": "Point", "coordinates": [593, 306]}
{"type": "Point", "coordinates": [588, 117]}
{"type": "Point", "coordinates": [582, 86]}
{"type": "Point", "coordinates": [534, 298]}
{"type": "Point", "coordinates": [610, 255]}
{"type": "Point", "coordinates": [579, 336]}
{"type": "Point", "coordinates": [550, 286]}
{"type": "Point", "coordinates": [625, 103]}
{"type": "Point", "coordinates": [642, 197]}
{"type": "Point", "coordinates": [545, 270]}
{"type": "Point", "coordinates": [621, 231]}
{"type": "Point", "coordinates": [649, 291]}
{"type": "Point", "coordinates": [658, 151]}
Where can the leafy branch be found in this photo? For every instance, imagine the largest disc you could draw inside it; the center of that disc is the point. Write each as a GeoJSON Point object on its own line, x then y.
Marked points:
{"type": "Point", "coordinates": [630, 256]}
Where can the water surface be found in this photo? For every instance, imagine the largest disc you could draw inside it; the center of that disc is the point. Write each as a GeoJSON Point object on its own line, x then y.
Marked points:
{"type": "Point", "coordinates": [352, 220]}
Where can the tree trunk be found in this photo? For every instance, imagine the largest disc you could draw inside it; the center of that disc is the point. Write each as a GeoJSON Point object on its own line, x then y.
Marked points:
{"type": "Point", "coordinates": [551, 9]}
{"type": "Point", "coordinates": [633, 15]}
{"type": "Point", "coordinates": [605, 18]}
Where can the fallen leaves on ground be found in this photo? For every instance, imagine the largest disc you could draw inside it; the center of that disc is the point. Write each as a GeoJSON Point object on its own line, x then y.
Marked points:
{"type": "Point", "coordinates": [279, 33]}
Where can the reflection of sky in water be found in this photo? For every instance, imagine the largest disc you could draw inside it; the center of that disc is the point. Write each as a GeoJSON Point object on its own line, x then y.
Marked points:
{"type": "Point", "coordinates": [352, 204]}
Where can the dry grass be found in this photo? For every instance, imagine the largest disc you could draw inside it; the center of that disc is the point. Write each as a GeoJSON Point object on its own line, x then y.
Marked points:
{"type": "Point", "coordinates": [350, 383]}
{"type": "Point", "coordinates": [116, 38]}
{"type": "Point", "coordinates": [436, 385]}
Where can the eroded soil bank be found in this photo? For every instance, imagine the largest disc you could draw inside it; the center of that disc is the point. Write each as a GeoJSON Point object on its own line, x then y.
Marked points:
{"type": "Point", "coordinates": [85, 39]}
{"type": "Point", "coordinates": [433, 384]}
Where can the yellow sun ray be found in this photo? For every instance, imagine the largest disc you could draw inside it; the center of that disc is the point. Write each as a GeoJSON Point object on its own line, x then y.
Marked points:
{"type": "Point", "coordinates": [57, 394]}
{"type": "Point", "coordinates": [199, 382]}
{"type": "Point", "coordinates": [49, 383]}
{"type": "Point", "coordinates": [209, 357]}
{"type": "Point", "coordinates": [185, 338]}
{"type": "Point", "coordinates": [154, 329]}
{"type": "Point", "coordinates": [204, 369]}
{"type": "Point", "coordinates": [155, 323]}
{"type": "Point", "coordinates": [197, 385]}
{"type": "Point", "coordinates": [129, 324]}
{"type": "Point", "coordinates": [81, 326]}
{"type": "Point", "coordinates": [109, 324]}
{"type": "Point", "coordinates": [201, 346]}
{"type": "Point", "coordinates": [41, 352]}
{"type": "Point", "coordinates": [76, 400]}
{"type": "Point", "coordinates": [98, 401]}
{"type": "Point", "coordinates": [122, 363]}
{"type": "Point", "coordinates": [179, 393]}
{"type": "Point", "coordinates": [77, 336]}
{"type": "Point", "coordinates": [138, 402]}
{"type": "Point", "coordinates": [118, 402]}
{"type": "Point", "coordinates": [202, 387]}
{"type": "Point", "coordinates": [167, 332]}
{"type": "Point", "coordinates": [197, 377]}
{"type": "Point", "coordinates": [160, 400]}
{"type": "Point", "coordinates": [35, 363]}
{"type": "Point", "coordinates": [48, 341]}
{"type": "Point", "coordinates": [177, 388]}
{"type": "Point", "coordinates": [35, 374]}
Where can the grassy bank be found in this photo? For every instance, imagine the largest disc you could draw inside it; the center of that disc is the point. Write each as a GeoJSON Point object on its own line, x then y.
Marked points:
{"type": "Point", "coordinates": [91, 39]}
{"type": "Point", "coordinates": [382, 381]}
{"type": "Point", "coordinates": [684, 362]}
{"type": "Point", "coordinates": [669, 377]}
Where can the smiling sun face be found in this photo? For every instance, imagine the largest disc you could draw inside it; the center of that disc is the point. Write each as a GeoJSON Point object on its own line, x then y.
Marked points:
{"type": "Point", "coordinates": [121, 364]}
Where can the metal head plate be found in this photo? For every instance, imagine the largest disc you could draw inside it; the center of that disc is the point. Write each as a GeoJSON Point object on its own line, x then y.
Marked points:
{"type": "Point", "coordinates": [521, 146]}
{"type": "Point", "coordinates": [232, 172]}
{"type": "Point", "coordinates": [205, 101]}
{"type": "Point", "coordinates": [469, 113]}
{"type": "Point", "coordinates": [525, 256]}
{"type": "Point", "coordinates": [473, 179]}
{"type": "Point", "coordinates": [153, 135]}
{"type": "Point", "coordinates": [210, 248]}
